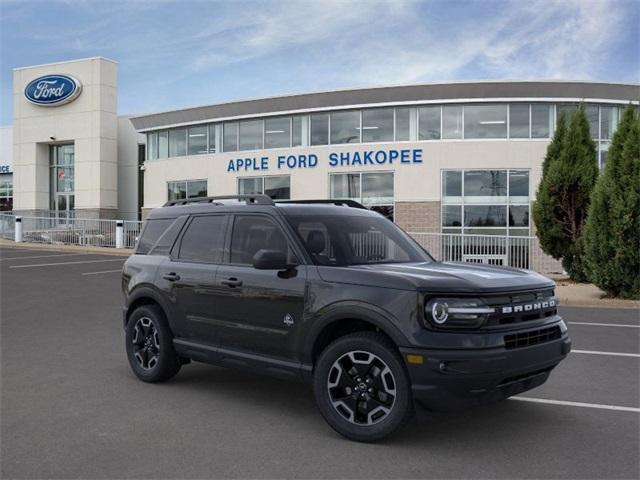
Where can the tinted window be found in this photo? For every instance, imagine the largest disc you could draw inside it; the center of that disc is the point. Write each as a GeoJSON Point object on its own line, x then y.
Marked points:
{"type": "Point", "coordinates": [277, 132]}
{"type": "Point", "coordinates": [168, 238]}
{"type": "Point", "coordinates": [204, 239]}
{"type": "Point", "coordinates": [485, 121]}
{"type": "Point", "coordinates": [278, 188]}
{"type": "Point", "coordinates": [541, 120]}
{"type": "Point", "coordinates": [340, 240]}
{"type": "Point", "coordinates": [345, 127]}
{"type": "Point", "coordinates": [519, 120]}
{"type": "Point", "coordinates": [252, 233]}
{"type": "Point", "coordinates": [230, 137]}
{"type": "Point", "coordinates": [251, 135]}
{"type": "Point", "coordinates": [151, 233]}
{"type": "Point", "coordinates": [429, 123]}
{"type": "Point", "coordinates": [197, 140]}
{"type": "Point", "coordinates": [452, 121]}
{"type": "Point", "coordinates": [178, 142]}
{"type": "Point", "coordinates": [403, 123]}
{"type": "Point", "coordinates": [377, 125]}
{"type": "Point", "coordinates": [320, 129]}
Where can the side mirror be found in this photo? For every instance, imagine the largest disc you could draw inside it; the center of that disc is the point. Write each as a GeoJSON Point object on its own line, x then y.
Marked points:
{"type": "Point", "coordinates": [270, 260]}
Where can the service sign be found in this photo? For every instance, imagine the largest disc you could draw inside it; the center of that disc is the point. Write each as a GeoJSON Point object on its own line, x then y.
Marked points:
{"type": "Point", "coordinates": [53, 90]}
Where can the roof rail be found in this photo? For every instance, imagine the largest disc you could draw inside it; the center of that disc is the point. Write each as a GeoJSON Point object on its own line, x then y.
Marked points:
{"type": "Point", "coordinates": [339, 202]}
{"type": "Point", "coordinates": [249, 200]}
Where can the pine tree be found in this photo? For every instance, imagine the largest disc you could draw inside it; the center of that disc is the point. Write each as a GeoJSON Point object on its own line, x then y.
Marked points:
{"type": "Point", "coordinates": [612, 233]}
{"type": "Point", "coordinates": [563, 197]}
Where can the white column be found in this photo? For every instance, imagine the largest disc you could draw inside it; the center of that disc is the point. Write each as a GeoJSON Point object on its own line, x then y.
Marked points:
{"type": "Point", "coordinates": [119, 234]}
{"type": "Point", "coordinates": [18, 230]}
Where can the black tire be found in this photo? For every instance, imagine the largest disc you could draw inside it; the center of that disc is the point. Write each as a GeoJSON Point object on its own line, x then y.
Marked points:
{"type": "Point", "coordinates": [364, 415]}
{"type": "Point", "coordinates": [152, 356]}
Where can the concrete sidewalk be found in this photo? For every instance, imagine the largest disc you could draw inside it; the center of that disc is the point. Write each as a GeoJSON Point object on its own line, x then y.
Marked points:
{"type": "Point", "coordinates": [66, 248]}
{"type": "Point", "coordinates": [571, 294]}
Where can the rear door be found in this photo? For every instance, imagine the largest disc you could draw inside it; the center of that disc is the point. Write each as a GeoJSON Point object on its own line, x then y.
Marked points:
{"type": "Point", "coordinates": [258, 310]}
{"type": "Point", "coordinates": [190, 275]}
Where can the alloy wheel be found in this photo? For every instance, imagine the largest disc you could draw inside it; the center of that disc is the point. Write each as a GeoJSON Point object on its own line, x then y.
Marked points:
{"type": "Point", "coordinates": [361, 387]}
{"type": "Point", "coordinates": [146, 343]}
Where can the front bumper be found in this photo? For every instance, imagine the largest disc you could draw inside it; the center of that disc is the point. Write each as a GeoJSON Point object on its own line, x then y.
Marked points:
{"type": "Point", "coordinates": [451, 379]}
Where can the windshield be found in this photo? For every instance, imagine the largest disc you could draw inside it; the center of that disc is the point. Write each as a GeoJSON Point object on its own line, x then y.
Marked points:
{"type": "Point", "coordinates": [342, 240]}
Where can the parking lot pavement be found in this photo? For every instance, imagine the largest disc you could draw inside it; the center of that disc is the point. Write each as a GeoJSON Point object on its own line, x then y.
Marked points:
{"type": "Point", "coordinates": [71, 408]}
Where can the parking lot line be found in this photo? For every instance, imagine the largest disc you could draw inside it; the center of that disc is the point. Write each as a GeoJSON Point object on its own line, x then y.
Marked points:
{"type": "Point", "coordinates": [104, 271]}
{"type": "Point", "coordinates": [42, 256]}
{"type": "Point", "coordinates": [614, 354]}
{"type": "Point", "coordinates": [68, 263]}
{"type": "Point", "coordinates": [577, 404]}
{"type": "Point", "coordinates": [604, 324]}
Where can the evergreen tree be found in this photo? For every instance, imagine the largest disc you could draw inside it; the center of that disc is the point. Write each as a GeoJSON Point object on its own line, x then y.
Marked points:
{"type": "Point", "coordinates": [612, 244]}
{"type": "Point", "coordinates": [548, 231]}
{"type": "Point", "coordinates": [563, 197]}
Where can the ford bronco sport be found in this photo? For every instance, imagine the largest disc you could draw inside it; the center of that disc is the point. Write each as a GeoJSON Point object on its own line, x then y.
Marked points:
{"type": "Point", "coordinates": [334, 294]}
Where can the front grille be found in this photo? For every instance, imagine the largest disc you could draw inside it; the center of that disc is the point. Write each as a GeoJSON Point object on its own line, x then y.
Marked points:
{"type": "Point", "coordinates": [533, 337]}
{"type": "Point", "coordinates": [513, 308]}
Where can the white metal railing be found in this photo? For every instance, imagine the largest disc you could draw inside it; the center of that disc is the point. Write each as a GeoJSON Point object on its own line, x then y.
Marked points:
{"type": "Point", "coordinates": [7, 226]}
{"type": "Point", "coordinates": [519, 252]}
{"type": "Point", "coordinates": [72, 231]}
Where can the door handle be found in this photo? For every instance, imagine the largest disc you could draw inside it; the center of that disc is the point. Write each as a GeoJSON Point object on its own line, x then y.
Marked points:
{"type": "Point", "coordinates": [172, 276]}
{"type": "Point", "coordinates": [232, 282]}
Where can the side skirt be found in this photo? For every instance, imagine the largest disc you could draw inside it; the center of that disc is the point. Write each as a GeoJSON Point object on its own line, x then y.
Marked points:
{"type": "Point", "coordinates": [252, 362]}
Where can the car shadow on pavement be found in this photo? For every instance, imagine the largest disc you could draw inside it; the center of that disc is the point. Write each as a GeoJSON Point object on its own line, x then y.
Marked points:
{"type": "Point", "coordinates": [251, 391]}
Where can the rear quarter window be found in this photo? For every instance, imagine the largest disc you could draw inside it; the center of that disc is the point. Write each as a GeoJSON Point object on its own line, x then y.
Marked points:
{"type": "Point", "coordinates": [153, 230]}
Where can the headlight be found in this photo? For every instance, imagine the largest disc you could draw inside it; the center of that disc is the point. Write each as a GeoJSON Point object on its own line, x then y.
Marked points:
{"type": "Point", "coordinates": [457, 312]}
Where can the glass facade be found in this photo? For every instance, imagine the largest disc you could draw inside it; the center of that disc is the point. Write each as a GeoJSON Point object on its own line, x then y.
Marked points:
{"type": "Point", "coordinates": [185, 189]}
{"type": "Point", "coordinates": [6, 192]}
{"type": "Point", "coordinates": [383, 124]}
{"type": "Point", "coordinates": [486, 202]}
{"type": "Point", "coordinates": [277, 187]}
{"type": "Point", "coordinates": [61, 179]}
{"type": "Point", "coordinates": [373, 189]}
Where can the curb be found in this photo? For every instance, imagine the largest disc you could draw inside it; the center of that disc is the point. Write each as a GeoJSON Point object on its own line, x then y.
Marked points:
{"type": "Point", "coordinates": [125, 252]}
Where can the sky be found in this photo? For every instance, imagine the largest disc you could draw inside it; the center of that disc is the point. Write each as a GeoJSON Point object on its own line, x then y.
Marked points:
{"type": "Point", "coordinates": [176, 54]}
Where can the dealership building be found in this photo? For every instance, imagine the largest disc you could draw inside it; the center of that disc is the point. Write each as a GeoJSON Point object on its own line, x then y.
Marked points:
{"type": "Point", "coordinates": [460, 157]}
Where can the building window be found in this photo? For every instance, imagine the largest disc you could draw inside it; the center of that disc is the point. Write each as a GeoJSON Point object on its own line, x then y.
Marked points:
{"type": "Point", "coordinates": [212, 138]}
{"type": "Point", "coordinates": [345, 127]}
{"type": "Point", "coordinates": [485, 121]}
{"type": "Point", "coordinates": [152, 146]}
{"type": "Point", "coordinates": [178, 142]}
{"type": "Point", "coordinates": [403, 124]}
{"type": "Point", "coordinates": [377, 125]}
{"type": "Point", "coordinates": [62, 176]}
{"type": "Point", "coordinates": [485, 202]}
{"type": "Point", "coordinates": [296, 131]}
{"type": "Point", "coordinates": [519, 120]}
{"type": "Point", "coordinates": [230, 137]}
{"type": "Point", "coordinates": [320, 129]}
{"type": "Point", "coordinates": [6, 192]}
{"type": "Point", "coordinates": [429, 123]}
{"type": "Point", "coordinates": [276, 187]}
{"type": "Point", "coordinates": [197, 140]}
{"type": "Point", "coordinates": [163, 144]}
{"type": "Point", "coordinates": [373, 189]}
{"type": "Point", "coordinates": [277, 132]}
{"type": "Point", "coordinates": [541, 120]}
{"type": "Point", "coordinates": [608, 122]}
{"type": "Point", "coordinates": [452, 121]}
{"type": "Point", "coordinates": [251, 135]}
{"type": "Point", "coordinates": [592, 112]}
{"type": "Point", "coordinates": [185, 189]}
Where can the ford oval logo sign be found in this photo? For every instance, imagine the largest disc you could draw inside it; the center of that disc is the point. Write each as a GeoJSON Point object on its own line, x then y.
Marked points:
{"type": "Point", "coordinates": [53, 90]}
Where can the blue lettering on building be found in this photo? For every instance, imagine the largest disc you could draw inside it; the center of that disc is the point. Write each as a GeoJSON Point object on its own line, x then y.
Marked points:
{"type": "Point", "coordinates": [405, 156]}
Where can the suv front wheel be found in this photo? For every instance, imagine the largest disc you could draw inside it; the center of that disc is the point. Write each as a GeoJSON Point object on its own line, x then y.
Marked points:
{"type": "Point", "coordinates": [362, 387]}
{"type": "Point", "coordinates": [150, 345]}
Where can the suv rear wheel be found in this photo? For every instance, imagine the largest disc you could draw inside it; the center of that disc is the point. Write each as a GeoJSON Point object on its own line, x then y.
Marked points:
{"type": "Point", "coordinates": [150, 345]}
{"type": "Point", "coordinates": [362, 387]}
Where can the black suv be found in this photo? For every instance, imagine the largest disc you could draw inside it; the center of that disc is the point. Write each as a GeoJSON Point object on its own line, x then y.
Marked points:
{"type": "Point", "coordinates": [334, 294]}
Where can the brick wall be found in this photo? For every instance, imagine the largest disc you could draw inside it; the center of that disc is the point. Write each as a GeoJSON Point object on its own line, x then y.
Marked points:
{"type": "Point", "coordinates": [418, 216]}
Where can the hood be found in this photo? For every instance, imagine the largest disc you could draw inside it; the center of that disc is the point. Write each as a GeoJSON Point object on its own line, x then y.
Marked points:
{"type": "Point", "coordinates": [445, 277]}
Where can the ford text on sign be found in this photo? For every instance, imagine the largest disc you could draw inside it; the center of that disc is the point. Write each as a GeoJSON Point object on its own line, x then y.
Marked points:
{"type": "Point", "coordinates": [53, 90]}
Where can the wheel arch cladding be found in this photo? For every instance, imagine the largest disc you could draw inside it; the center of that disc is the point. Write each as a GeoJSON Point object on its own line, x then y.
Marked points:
{"type": "Point", "coordinates": [141, 299]}
{"type": "Point", "coordinates": [337, 326]}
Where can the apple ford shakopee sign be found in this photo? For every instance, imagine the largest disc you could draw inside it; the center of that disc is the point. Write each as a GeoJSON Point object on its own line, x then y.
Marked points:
{"type": "Point", "coordinates": [53, 90]}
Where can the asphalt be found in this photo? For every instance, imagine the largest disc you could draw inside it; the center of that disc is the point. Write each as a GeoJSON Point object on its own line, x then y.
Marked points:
{"type": "Point", "coordinates": [71, 408]}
